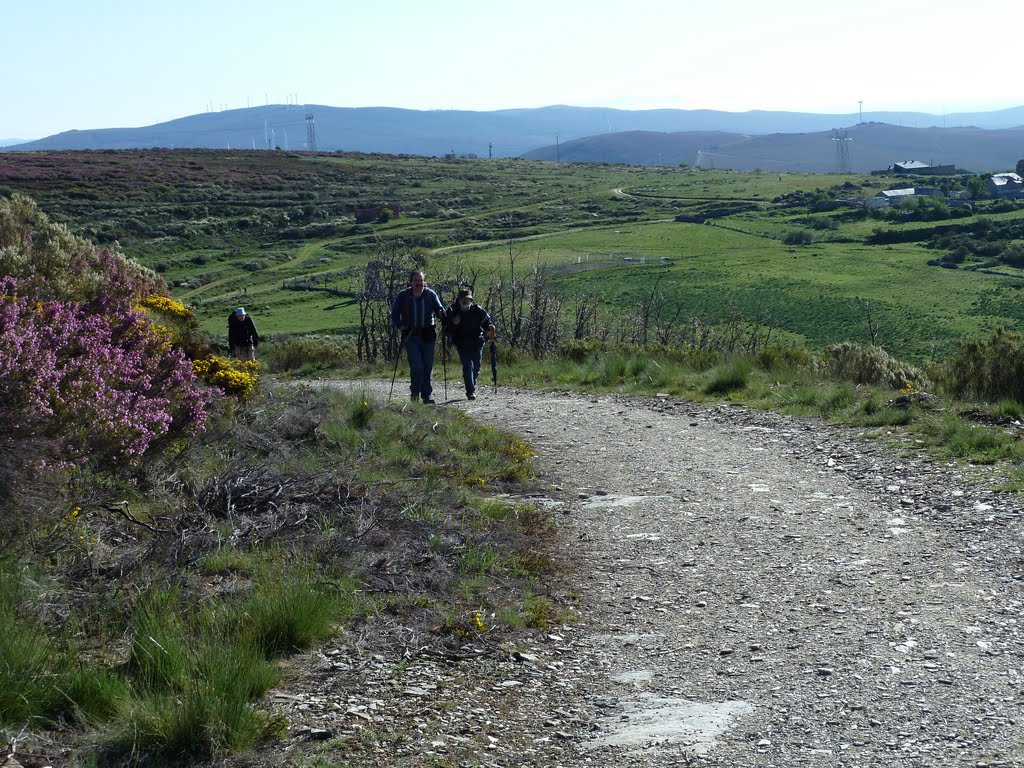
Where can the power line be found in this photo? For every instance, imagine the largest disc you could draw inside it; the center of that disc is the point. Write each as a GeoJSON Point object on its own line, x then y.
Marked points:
{"type": "Point", "coordinates": [842, 150]}
{"type": "Point", "coordinates": [310, 132]}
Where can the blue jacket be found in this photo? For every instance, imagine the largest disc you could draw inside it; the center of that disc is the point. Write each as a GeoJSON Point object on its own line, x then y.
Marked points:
{"type": "Point", "coordinates": [415, 313]}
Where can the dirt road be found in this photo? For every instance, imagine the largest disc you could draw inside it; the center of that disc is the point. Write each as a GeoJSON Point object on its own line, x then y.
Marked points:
{"type": "Point", "coordinates": [753, 591]}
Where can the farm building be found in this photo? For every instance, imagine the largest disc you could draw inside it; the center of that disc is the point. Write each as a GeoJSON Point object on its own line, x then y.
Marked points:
{"type": "Point", "coordinates": [921, 169]}
{"type": "Point", "coordinates": [1005, 185]}
{"type": "Point", "coordinates": [366, 215]}
{"type": "Point", "coordinates": [900, 196]}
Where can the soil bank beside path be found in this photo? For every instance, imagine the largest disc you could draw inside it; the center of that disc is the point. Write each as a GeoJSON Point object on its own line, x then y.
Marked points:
{"type": "Point", "coordinates": [753, 590]}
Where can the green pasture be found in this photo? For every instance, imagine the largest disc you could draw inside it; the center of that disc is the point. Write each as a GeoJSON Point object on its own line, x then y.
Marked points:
{"type": "Point", "coordinates": [276, 232]}
{"type": "Point", "coordinates": [822, 293]}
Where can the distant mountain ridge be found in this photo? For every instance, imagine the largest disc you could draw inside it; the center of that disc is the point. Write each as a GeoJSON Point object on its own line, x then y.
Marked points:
{"type": "Point", "coordinates": [869, 147]}
{"type": "Point", "coordinates": [585, 133]}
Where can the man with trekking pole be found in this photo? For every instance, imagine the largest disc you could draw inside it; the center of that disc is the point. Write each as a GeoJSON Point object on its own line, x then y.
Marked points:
{"type": "Point", "coordinates": [415, 313]}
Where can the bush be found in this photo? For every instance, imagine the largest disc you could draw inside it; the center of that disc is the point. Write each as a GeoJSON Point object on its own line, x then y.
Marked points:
{"type": "Point", "coordinates": [728, 378]}
{"type": "Point", "coordinates": [84, 371]}
{"type": "Point", "coordinates": [991, 369]}
{"type": "Point", "coordinates": [578, 350]}
{"type": "Point", "coordinates": [777, 357]}
{"type": "Point", "coordinates": [870, 365]}
{"type": "Point", "coordinates": [97, 377]}
{"type": "Point", "coordinates": [304, 353]}
{"type": "Point", "coordinates": [236, 378]}
{"type": "Point", "coordinates": [799, 237]}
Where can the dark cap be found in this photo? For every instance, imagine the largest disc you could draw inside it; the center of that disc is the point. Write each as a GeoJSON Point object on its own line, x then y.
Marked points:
{"type": "Point", "coordinates": [465, 293]}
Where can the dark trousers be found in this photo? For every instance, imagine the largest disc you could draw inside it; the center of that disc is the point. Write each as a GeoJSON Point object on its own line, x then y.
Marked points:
{"type": "Point", "coordinates": [421, 365]}
{"type": "Point", "coordinates": [471, 353]}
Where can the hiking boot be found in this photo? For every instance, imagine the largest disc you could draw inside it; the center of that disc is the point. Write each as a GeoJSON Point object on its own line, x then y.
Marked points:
{"type": "Point", "coordinates": [470, 396]}
{"type": "Point", "coordinates": [428, 401]}
{"type": "Point", "coordinates": [414, 398]}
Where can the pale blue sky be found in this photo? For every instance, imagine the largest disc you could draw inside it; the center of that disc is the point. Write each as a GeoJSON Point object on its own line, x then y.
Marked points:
{"type": "Point", "coordinates": [78, 64]}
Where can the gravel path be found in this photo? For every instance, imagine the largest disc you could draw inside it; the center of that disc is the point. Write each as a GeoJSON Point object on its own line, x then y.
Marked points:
{"type": "Point", "coordinates": [754, 590]}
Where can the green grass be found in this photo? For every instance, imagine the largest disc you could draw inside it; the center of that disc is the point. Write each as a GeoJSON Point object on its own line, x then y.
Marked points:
{"type": "Point", "coordinates": [41, 677]}
{"type": "Point", "coordinates": [194, 648]}
{"type": "Point", "coordinates": [195, 671]}
{"type": "Point", "coordinates": [536, 611]}
{"type": "Point", "coordinates": [727, 378]}
{"type": "Point", "coordinates": [975, 443]}
{"type": "Point", "coordinates": [249, 241]}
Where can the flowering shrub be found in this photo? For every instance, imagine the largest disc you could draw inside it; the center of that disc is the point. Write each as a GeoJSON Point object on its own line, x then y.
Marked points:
{"type": "Point", "coordinates": [177, 323]}
{"type": "Point", "coordinates": [236, 377]}
{"type": "Point", "coordinates": [167, 305]}
{"type": "Point", "coordinates": [96, 375]}
{"type": "Point", "coordinates": [80, 368]}
{"type": "Point", "coordinates": [68, 268]}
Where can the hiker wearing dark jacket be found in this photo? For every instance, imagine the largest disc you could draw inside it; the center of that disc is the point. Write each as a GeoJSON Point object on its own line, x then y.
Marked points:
{"type": "Point", "coordinates": [467, 324]}
{"type": "Point", "coordinates": [242, 336]}
{"type": "Point", "coordinates": [414, 313]}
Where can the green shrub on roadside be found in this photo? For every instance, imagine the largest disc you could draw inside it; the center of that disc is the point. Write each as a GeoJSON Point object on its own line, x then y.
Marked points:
{"type": "Point", "coordinates": [728, 378]}
{"type": "Point", "coordinates": [861, 364]}
{"type": "Point", "coordinates": [972, 442]}
{"type": "Point", "coordinates": [41, 680]}
{"type": "Point", "coordinates": [990, 369]}
{"type": "Point", "coordinates": [304, 353]}
{"type": "Point", "coordinates": [578, 350]}
{"type": "Point", "coordinates": [778, 357]}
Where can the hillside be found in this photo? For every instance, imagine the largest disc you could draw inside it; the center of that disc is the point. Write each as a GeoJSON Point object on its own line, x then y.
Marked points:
{"type": "Point", "coordinates": [871, 146]}
{"type": "Point", "coordinates": [278, 233]}
{"type": "Point", "coordinates": [502, 133]}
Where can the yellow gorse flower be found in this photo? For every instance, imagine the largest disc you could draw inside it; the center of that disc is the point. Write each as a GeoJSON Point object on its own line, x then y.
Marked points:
{"type": "Point", "coordinates": [166, 304]}
{"type": "Point", "coordinates": [237, 378]}
{"type": "Point", "coordinates": [478, 622]}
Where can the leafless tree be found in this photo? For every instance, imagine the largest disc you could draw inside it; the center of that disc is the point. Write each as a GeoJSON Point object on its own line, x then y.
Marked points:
{"type": "Point", "coordinates": [872, 322]}
{"type": "Point", "coordinates": [545, 319]}
{"type": "Point", "coordinates": [584, 316]}
{"type": "Point", "coordinates": [385, 275]}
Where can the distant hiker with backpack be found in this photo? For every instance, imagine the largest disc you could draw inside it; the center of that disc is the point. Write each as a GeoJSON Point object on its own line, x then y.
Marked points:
{"type": "Point", "coordinates": [242, 336]}
{"type": "Point", "coordinates": [414, 313]}
{"type": "Point", "coordinates": [468, 323]}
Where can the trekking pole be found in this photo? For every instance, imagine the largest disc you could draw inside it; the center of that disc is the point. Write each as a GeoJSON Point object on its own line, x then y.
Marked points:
{"type": "Point", "coordinates": [444, 362]}
{"type": "Point", "coordinates": [398, 356]}
{"type": "Point", "coordinates": [494, 359]}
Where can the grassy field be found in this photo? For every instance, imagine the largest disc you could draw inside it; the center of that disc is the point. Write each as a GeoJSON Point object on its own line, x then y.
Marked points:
{"type": "Point", "coordinates": [276, 232]}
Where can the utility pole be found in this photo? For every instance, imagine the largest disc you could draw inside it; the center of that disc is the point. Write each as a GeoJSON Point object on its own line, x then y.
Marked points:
{"type": "Point", "coordinates": [860, 109]}
{"type": "Point", "coordinates": [310, 132]}
{"type": "Point", "coordinates": [490, 150]}
{"type": "Point", "coordinates": [842, 150]}
{"type": "Point", "coordinates": [558, 150]}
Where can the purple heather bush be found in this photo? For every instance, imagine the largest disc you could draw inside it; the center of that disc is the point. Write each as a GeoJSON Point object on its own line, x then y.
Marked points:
{"type": "Point", "coordinates": [81, 369]}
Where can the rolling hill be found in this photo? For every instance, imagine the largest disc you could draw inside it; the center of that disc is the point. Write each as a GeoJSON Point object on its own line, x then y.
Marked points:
{"type": "Point", "coordinates": [870, 146]}
{"type": "Point", "coordinates": [551, 130]}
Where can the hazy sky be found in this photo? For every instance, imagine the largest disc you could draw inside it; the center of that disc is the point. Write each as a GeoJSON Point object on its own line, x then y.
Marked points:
{"type": "Point", "coordinates": [78, 64]}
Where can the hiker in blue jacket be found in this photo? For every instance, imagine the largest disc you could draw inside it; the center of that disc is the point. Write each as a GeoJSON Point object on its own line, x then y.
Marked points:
{"type": "Point", "coordinates": [415, 314]}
